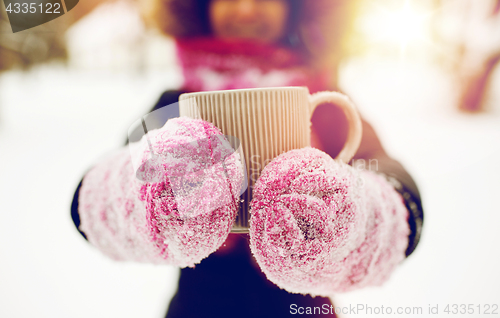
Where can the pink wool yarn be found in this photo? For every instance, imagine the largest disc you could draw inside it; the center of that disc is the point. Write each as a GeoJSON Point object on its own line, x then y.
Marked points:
{"type": "Point", "coordinates": [179, 206]}
{"type": "Point", "coordinates": [318, 226]}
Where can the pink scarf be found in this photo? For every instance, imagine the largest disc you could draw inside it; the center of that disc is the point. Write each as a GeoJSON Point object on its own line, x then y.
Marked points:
{"type": "Point", "coordinates": [214, 64]}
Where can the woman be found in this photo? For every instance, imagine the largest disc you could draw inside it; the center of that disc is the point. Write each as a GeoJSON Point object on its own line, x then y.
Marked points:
{"type": "Point", "coordinates": [225, 44]}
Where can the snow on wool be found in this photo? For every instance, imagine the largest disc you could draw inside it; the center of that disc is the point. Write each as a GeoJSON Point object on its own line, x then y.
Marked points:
{"type": "Point", "coordinates": [179, 206]}
{"type": "Point", "coordinates": [319, 226]}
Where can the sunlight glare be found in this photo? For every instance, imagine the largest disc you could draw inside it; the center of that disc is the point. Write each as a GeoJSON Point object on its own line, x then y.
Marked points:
{"type": "Point", "coordinates": [401, 25]}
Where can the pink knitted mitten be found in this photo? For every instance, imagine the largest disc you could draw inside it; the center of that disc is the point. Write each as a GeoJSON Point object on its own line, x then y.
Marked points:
{"type": "Point", "coordinates": [319, 226]}
{"type": "Point", "coordinates": [177, 208]}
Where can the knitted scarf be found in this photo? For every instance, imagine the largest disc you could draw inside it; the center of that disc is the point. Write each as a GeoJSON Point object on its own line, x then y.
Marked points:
{"type": "Point", "coordinates": [214, 64]}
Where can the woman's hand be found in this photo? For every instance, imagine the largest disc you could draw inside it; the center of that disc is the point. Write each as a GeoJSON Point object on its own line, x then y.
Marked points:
{"type": "Point", "coordinates": [319, 226]}
{"type": "Point", "coordinates": [177, 208]}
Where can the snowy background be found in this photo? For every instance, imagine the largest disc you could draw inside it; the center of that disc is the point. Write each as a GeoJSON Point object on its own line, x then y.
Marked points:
{"type": "Point", "coordinates": [56, 121]}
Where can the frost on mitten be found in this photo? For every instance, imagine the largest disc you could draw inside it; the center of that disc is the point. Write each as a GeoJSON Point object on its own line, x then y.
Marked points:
{"type": "Point", "coordinates": [318, 226]}
{"type": "Point", "coordinates": [177, 208]}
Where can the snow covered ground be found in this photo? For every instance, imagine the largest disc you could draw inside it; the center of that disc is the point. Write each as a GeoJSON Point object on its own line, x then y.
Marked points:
{"type": "Point", "coordinates": [55, 122]}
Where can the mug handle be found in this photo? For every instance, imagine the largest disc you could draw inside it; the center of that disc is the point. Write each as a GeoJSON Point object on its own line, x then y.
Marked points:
{"type": "Point", "coordinates": [355, 127]}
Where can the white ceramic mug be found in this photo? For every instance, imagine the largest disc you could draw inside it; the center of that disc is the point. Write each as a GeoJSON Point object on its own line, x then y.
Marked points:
{"type": "Point", "coordinates": [267, 122]}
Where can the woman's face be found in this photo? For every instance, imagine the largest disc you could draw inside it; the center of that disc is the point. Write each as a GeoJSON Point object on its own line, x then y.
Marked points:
{"type": "Point", "coordinates": [263, 20]}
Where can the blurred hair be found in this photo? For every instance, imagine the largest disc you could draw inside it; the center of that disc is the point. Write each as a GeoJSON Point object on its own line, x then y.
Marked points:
{"type": "Point", "coordinates": [317, 27]}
